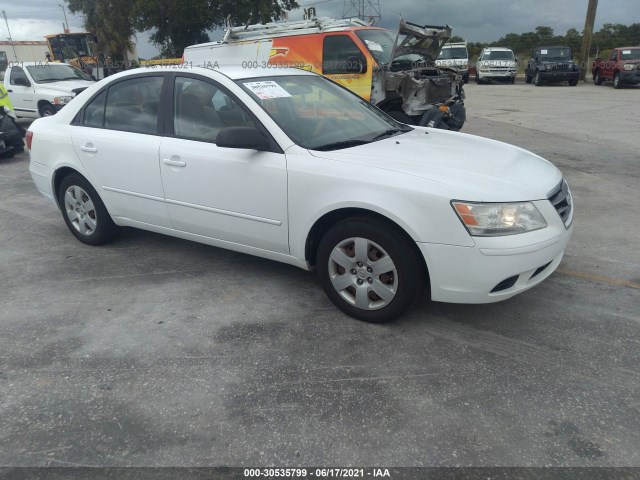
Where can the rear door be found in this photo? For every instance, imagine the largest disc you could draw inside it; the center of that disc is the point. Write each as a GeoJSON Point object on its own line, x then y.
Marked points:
{"type": "Point", "coordinates": [117, 138]}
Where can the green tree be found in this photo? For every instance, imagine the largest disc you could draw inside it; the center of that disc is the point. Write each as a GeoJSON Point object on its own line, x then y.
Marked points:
{"type": "Point", "coordinates": [110, 22]}
{"type": "Point", "coordinates": [176, 24]}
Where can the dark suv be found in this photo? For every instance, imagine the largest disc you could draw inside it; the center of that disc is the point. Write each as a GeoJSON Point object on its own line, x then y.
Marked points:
{"type": "Point", "coordinates": [552, 64]}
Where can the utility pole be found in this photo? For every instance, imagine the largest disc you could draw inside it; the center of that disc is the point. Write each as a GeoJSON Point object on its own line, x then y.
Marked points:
{"type": "Point", "coordinates": [587, 35]}
{"type": "Point", "coordinates": [4, 14]}
{"type": "Point", "coordinates": [66, 28]}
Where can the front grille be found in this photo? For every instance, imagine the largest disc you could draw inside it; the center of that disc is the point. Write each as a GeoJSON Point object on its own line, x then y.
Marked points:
{"type": "Point", "coordinates": [560, 198]}
{"type": "Point", "coordinates": [560, 66]}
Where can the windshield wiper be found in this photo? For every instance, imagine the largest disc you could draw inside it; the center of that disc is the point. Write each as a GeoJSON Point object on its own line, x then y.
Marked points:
{"type": "Point", "coordinates": [341, 144]}
{"type": "Point", "coordinates": [390, 132]}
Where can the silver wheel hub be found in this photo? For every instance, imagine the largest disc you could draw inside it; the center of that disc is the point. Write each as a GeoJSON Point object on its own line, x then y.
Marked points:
{"type": "Point", "coordinates": [80, 210]}
{"type": "Point", "coordinates": [363, 273]}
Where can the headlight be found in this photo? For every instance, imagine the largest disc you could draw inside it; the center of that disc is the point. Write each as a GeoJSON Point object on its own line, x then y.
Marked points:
{"type": "Point", "coordinates": [61, 100]}
{"type": "Point", "coordinates": [496, 219]}
{"type": "Point", "coordinates": [629, 66]}
{"type": "Point", "coordinates": [547, 66]}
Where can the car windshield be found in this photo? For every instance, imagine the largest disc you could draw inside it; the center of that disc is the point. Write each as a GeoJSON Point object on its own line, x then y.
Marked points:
{"type": "Point", "coordinates": [47, 72]}
{"type": "Point", "coordinates": [453, 53]}
{"type": "Point", "coordinates": [318, 114]}
{"type": "Point", "coordinates": [379, 43]}
{"type": "Point", "coordinates": [632, 54]}
{"type": "Point", "coordinates": [498, 55]}
{"type": "Point", "coordinates": [555, 53]}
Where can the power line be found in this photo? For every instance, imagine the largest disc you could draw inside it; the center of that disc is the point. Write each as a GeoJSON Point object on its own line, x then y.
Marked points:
{"type": "Point", "coordinates": [367, 10]}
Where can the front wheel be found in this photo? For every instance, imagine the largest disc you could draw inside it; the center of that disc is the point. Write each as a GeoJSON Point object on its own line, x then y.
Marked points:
{"type": "Point", "coordinates": [617, 83]}
{"type": "Point", "coordinates": [369, 269]}
{"type": "Point", "coordinates": [537, 80]}
{"type": "Point", "coordinates": [84, 213]}
{"type": "Point", "coordinates": [573, 82]}
{"type": "Point", "coordinates": [46, 110]}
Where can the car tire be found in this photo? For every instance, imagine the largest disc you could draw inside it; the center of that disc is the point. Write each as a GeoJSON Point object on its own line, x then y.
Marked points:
{"type": "Point", "coordinates": [573, 82]}
{"type": "Point", "coordinates": [537, 80]}
{"type": "Point", "coordinates": [84, 213]}
{"type": "Point", "coordinates": [465, 78]}
{"type": "Point", "coordinates": [46, 110]}
{"type": "Point", "coordinates": [597, 79]}
{"type": "Point", "coordinates": [527, 78]}
{"type": "Point", "coordinates": [617, 82]}
{"type": "Point", "coordinates": [369, 269]}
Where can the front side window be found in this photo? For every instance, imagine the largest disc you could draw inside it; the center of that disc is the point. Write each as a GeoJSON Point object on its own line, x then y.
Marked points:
{"type": "Point", "coordinates": [132, 105]}
{"type": "Point", "coordinates": [50, 72]}
{"type": "Point", "coordinates": [201, 110]}
{"type": "Point", "coordinates": [318, 114]}
{"type": "Point", "coordinates": [340, 54]}
{"type": "Point", "coordinates": [17, 72]}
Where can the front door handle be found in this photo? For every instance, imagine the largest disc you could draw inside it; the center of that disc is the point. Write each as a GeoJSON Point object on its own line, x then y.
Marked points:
{"type": "Point", "coordinates": [174, 163]}
{"type": "Point", "coordinates": [88, 148]}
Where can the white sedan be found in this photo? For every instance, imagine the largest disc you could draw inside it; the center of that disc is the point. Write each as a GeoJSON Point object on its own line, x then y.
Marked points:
{"type": "Point", "coordinates": [287, 165]}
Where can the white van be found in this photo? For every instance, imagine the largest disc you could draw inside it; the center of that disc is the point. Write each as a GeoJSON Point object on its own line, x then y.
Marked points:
{"type": "Point", "coordinates": [496, 63]}
{"type": "Point", "coordinates": [455, 55]}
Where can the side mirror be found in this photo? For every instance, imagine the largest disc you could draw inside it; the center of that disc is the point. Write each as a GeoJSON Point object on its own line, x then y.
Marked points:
{"type": "Point", "coordinates": [242, 137]}
{"type": "Point", "coordinates": [516, 59]}
{"type": "Point", "coordinates": [22, 81]}
{"type": "Point", "coordinates": [478, 58]}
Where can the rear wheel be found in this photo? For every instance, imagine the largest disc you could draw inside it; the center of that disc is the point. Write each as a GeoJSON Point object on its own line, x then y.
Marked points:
{"type": "Point", "coordinates": [617, 83]}
{"type": "Point", "coordinates": [369, 269]}
{"type": "Point", "coordinates": [84, 213]}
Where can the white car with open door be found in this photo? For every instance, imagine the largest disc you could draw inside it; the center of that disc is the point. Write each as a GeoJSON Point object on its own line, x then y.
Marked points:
{"type": "Point", "coordinates": [287, 165]}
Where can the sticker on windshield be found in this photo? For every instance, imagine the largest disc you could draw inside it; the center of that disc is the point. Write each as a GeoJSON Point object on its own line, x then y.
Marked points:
{"type": "Point", "coordinates": [267, 90]}
{"type": "Point", "coordinates": [374, 46]}
{"type": "Point", "coordinates": [543, 52]}
{"type": "Point", "coordinates": [626, 52]}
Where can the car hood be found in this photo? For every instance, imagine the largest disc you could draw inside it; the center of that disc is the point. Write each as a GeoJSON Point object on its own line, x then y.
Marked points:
{"type": "Point", "coordinates": [66, 86]}
{"type": "Point", "coordinates": [477, 168]}
{"type": "Point", "coordinates": [426, 40]}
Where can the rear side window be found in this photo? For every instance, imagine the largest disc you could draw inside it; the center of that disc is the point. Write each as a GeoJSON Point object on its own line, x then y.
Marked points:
{"type": "Point", "coordinates": [94, 111]}
{"type": "Point", "coordinates": [342, 55]}
{"type": "Point", "coordinates": [132, 105]}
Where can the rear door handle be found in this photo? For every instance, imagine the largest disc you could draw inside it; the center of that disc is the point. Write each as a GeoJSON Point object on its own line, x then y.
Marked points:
{"type": "Point", "coordinates": [88, 148]}
{"type": "Point", "coordinates": [174, 163]}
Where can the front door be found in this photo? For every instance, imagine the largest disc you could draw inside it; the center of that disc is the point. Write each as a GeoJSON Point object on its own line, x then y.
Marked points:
{"type": "Point", "coordinates": [235, 195]}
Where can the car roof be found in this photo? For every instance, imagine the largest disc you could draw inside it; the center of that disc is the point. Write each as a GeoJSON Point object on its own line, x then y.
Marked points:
{"type": "Point", "coordinates": [497, 49]}
{"type": "Point", "coordinates": [39, 64]}
{"type": "Point", "coordinates": [232, 72]}
{"type": "Point", "coordinates": [552, 46]}
{"type": "Point", "coordinates": [627, 48]}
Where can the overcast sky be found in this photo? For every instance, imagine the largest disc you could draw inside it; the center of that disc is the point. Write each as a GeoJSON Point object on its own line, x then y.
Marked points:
{"type": "Point", "coordinates": [475, 20]}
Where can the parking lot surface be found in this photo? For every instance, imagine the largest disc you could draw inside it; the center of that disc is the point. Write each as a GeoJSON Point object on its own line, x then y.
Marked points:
{"type": "Point", "coordinates": [156, 351]}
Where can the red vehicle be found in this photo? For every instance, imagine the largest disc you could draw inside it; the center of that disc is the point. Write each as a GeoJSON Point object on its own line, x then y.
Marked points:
{"type": "Point", "coordinates": [622, 66]}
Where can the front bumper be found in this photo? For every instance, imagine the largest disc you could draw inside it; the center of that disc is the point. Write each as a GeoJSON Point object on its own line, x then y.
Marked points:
{"type": "Point", "coordinates": [486, 74]}
{"type": "Point", "coordinates": [496, 268]}
{"type": "Point", "coordinates": [630, 77]}
{"type": "Point", "coordinates": [559, 76]}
